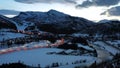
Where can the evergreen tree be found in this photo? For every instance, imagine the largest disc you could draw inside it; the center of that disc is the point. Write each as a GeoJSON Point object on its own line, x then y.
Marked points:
{"type": "Point", "coordinates": [39, 66]}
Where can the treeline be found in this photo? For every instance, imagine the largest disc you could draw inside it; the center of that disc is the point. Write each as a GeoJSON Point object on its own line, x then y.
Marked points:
{"type": "Point", "coordinates": [14, 65]}
{"type": "Point", "coordinates": [52, 65]}
{"type": "Point", "coordinates": [27, 39]}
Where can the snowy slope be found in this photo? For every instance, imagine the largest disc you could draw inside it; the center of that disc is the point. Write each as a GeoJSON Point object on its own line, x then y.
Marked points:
{"type": "Point", "coordinates": [9, 35]}
{"type": "Point", "coordinates": [110, 49]}
{"type": "Point", "coordinates": [51, 16]}
{"type": "Point", "coordinates": [57, 20]}
{"type": "Point", "coordinates": [115, 43]}
{"type": "Point", "coordinates": [86, 47]}
{"type": "Point", "coordinates": [6, 23]}
{"type": "Point", "coordinates": [39, 56]}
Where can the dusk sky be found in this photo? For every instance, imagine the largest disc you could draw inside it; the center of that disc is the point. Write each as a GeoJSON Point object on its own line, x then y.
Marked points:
{"type": "Point", "coordinates": [94, 10]}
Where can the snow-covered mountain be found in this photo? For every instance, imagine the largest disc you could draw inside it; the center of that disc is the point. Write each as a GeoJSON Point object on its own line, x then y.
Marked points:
{"type": "Point", "coordinates": [75, 50]}
{"type": "Point", "coordinates": [58, 22]}
{"type": "Point", "coordinates": [108, 27]}
{"type": "Point", "coordinates": [53, 21]}
{"type": "Point", "coordinates": [6, 23]}
{"type": "Point", "coordinates": [103, 21]}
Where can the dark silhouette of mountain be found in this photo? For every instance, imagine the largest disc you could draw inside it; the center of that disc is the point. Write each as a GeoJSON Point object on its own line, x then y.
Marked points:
{"type": "Point", "coordinates": [109, 27]}
{"type": "Point", "coordinates": [6, 23]}
{"type": "Point", "coordinates": [54, 21]}
{"type": "Point", "coordinates": [60, 23]}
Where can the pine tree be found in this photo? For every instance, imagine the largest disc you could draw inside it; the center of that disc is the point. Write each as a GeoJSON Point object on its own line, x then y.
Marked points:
{"type": "Point", "coordinates": [39, 66]}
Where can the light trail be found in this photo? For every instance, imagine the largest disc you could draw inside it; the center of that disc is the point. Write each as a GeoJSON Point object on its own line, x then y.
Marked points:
{"type": "Point", "coordinates": [10, 50]}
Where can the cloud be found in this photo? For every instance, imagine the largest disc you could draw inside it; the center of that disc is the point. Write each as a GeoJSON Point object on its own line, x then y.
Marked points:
{"type": "Point", "coordinates": [89, 3]}
{"type": "Point", "coordinates": [46, 1]}
{"type": "Point", "coordinates": [8, 12]}
{"type": "Point", "coordinates": [114, 11]}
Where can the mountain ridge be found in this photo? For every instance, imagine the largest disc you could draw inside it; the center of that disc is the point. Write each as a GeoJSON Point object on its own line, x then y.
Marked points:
{"type": "Point", "coordinates": [58, 21]}
{"type": "Point", "coordinates": [6, 23]}
{"type": "Point", "coordinates": [61, 23]}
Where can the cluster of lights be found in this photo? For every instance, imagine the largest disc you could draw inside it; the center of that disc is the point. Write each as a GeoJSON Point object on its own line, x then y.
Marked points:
{"type": "Point", "coordinates": [9, 50]}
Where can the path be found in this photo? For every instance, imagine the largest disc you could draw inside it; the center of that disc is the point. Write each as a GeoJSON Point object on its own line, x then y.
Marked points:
{"type": "Point", "coordinates": [102, 54]}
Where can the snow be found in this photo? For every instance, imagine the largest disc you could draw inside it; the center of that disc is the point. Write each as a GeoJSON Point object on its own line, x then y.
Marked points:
{"type": "Point", "coordinates": [115, 43]}
{"type": "Point", "coordinates": [104, 21]}
{"type": "Point", "coordinates": [107, 47]}
{"type": "Point", "coordinates": [40, 43]}
{"type": "Point", "coordinates": [18, 26]}
{"type": "Point", "coordinates": [82, 65]}
{"type": "Point", "coordinates": [8, 20]}
{"type": "Point", "coordinates": [79, 34]}
{"type": "Point", "coordinates": [49, 17]}
{"type": "Point", "coordinates": [56, 13]}
{"type": "Point", "coordinates": [86, 47]}
{"type": "Point", "coordinates": [22, 27]}
{"type": "Point", "coordinates": [102, 54]}
{"type": "Point", "coordinates": [28, 45]}
{"type": "Point", "coordinates": [69, 51]}
{"type": "Point", "coordinates": [39, 56]}
{"type": "Point", "coordinates": [9, 35]}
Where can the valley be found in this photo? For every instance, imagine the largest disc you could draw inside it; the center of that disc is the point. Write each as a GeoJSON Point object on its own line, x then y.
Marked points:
{"type": "Point", "coordinates": [56, 40]}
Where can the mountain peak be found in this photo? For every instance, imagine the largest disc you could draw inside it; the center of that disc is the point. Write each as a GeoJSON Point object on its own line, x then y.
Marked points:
{"type": "Point", "coordinates": [55, 12]}
{"type": "Point", "coordinates": [52, 10]}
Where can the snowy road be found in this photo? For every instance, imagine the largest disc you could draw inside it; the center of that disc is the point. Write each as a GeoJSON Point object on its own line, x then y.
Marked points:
{"type": "Point", "coordinates": [104, 51]}
{"type": "Point", "coordinates": [31, 47]}
{"type": "Point", "coordinates": [102, 54]}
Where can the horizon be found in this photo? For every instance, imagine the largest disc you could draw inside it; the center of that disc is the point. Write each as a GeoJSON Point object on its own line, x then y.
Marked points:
{"type": "Point", "coordinates": [94, 10]}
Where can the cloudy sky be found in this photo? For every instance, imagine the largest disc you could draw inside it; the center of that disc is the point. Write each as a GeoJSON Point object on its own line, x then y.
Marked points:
{"type": "Point", "coordinates": [94, 10]}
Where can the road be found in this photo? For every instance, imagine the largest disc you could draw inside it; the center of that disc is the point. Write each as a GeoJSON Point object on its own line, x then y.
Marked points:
{"type": "Point", "coordinates": [102, 54]}
{"type": "Point", "coordinates": [108, 48]}
{"type": "Point", "coordinates": [20, 48]}
{"type": "Point", "coordinates": [106, 52]}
